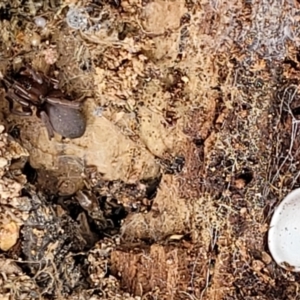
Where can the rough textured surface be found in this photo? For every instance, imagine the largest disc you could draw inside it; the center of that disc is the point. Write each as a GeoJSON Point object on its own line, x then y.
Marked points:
{"type": "Point", "coordinates": [103, 145]}
{"type": "Point", "coordinates": [169, 214]}
{"type": "Point", "coordinates": [191, 142]}
{"type": "Point", "coordinates": [13, 208]}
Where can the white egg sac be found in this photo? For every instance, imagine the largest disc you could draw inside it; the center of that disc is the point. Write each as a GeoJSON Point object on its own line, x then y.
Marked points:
{"type": "Point", "coordinates": [40, 22]}
{"type": "Point", "coordinates": [284, 232]}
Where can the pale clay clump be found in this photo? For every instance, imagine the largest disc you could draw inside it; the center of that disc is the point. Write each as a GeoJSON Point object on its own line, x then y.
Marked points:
{"type": "Point", "coordinates": [13, 212]}
{"type": "Point", "coordinates": [103, 145]}
{"type": "Point", "coordinates": [11, 218]}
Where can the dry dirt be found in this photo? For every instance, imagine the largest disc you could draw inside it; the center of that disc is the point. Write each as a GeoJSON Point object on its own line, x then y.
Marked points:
{"type": "Point", "coordinates": [192, 140]}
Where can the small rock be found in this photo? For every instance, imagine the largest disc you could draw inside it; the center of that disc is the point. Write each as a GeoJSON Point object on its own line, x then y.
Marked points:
{"type": "Point", "coordinates": [9, 234]}
{"type": "Point", "coordinates": [239, 183]}
{"type": "Point", "coordinates": [257, 265]}
{"type": "Point", "coordinates": [3, 162]}
{"type": "Point", "coordinates": [266, 258]}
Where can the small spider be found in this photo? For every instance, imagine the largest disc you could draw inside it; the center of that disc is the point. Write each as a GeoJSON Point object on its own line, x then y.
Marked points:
{"type": "Point", "coordinates": [33, 89]}
{"type": "Point", "coordinates": [175, 166]}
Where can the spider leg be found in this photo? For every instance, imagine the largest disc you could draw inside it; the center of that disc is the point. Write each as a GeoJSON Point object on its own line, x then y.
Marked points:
{"type": "Point", "coordinates": [24, 93]}
{"type": "Point", "coordinates": [13, 87]}
{"type": "Point", "coordinates": [39, 77]}
{"type": "Point", "coordinates": [12, 95]}
{"type": "Point", "coordinates": [55, 83]}
{"type": "Point", "coordinates": [21, 113]}
{"type": "Point", "coordinates": [7, 83]}
{"type": "Point", "coordinates": [36, 76]}
{"type": "Point", "coordinates": [63, 102]}
{"type": "Point", "coordinates": [46, 121]}
{"type": "Point", "coordinates": [26, 110]}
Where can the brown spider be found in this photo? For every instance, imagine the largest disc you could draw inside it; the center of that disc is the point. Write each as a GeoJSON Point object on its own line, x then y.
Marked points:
{"type": "Point", "coordinates": [33, 89]}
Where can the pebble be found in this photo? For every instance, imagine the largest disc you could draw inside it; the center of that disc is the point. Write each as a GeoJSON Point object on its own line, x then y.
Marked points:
{"type": "Point", "coordinates": [9, 234]}
{"type": "Point", "coordinates": [3, 162]}
{"type": "Point", "coordinates": [35, 40]}
{"type": "Point", "coordinates": [40, 22]}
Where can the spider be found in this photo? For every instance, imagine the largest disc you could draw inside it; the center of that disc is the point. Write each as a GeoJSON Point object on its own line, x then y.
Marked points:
{"type": "Point", "coordinates": [32, 88]}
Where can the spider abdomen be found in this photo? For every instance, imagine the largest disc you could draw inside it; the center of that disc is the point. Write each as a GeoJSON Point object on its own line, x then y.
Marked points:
{"type": "Point", "coordinates": [66, 121]}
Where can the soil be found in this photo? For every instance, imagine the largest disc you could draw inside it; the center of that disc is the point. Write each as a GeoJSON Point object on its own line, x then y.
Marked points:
{"type": "Point", "coordinates": [192, 138]}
